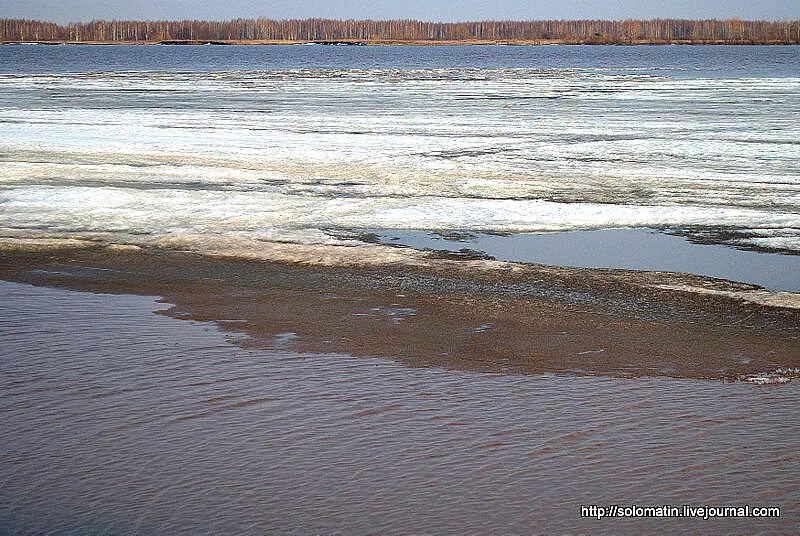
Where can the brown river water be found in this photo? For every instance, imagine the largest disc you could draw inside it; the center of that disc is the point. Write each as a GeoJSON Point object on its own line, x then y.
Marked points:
{"type": "Point", "coordinates": [116, 420]}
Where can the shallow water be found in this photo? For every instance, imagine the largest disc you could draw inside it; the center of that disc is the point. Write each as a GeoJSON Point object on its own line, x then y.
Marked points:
{"type": "Point", "coordinates": [117, 420]}
{"type": "Point", "coordinates": [630, 249]}
{"type": "Point", "coordinates": [208, 148]}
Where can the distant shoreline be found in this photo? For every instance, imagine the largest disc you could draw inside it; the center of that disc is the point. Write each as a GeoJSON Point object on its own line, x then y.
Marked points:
{"type": "Point", "coordinates": [398, 42]}
{"type": "Point", "coordinates": [265, 31]}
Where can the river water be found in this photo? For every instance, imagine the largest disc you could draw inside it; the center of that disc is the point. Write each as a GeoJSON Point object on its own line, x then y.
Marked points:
{"type": "Point", "coordinates": [116, 420]}
{"type": "Point", "coordinates": [120, 421]}
{"type": "Point", "coordinates": [240, 148]}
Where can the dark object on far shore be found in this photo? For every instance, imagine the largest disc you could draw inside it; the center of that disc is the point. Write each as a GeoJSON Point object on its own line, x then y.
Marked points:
{"type": "Point", "coordinates": [192, 42]}
{"type": "Point", "coordinates": [341, 43]}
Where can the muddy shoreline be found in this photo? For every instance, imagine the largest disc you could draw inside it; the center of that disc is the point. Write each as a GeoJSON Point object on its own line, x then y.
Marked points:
{"type": "Point", "coordinates": [450, 313]}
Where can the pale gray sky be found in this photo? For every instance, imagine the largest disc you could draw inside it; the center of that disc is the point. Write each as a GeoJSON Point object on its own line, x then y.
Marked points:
{"type": "Point", "coordinates": [440, 10]}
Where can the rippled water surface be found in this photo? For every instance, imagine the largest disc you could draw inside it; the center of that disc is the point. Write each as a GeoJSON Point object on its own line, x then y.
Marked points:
{"type": "Point", "coordinates": [116, 420]}
{"type": "Point", "coordinates": [238, 148]}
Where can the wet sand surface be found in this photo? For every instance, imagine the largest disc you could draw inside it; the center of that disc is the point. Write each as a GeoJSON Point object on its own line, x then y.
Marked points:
{"type": "Point", "coordinates": [452, 314]}
{"type": "Point", "coordinates": [120, 421]}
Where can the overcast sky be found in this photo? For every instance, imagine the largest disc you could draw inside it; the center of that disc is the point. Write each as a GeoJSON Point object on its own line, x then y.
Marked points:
{"type": "Point", "coordinates": [440, 10]}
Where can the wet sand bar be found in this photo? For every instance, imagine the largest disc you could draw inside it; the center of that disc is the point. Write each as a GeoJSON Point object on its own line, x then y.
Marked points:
{"type": "Point", "coordinates": [454, 314]}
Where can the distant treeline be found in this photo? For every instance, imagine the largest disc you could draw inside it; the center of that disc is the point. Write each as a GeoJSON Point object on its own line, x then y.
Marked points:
{"type": "Point", "coordinates": [565, 31]}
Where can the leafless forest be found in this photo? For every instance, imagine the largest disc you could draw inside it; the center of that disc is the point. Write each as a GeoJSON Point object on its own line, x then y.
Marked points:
{"type": "Point", "coordinates": [263, 29]}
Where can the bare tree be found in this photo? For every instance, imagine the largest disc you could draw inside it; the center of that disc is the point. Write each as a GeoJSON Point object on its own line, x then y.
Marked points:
{"type": "Point", "coordinates": [564, 31]}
